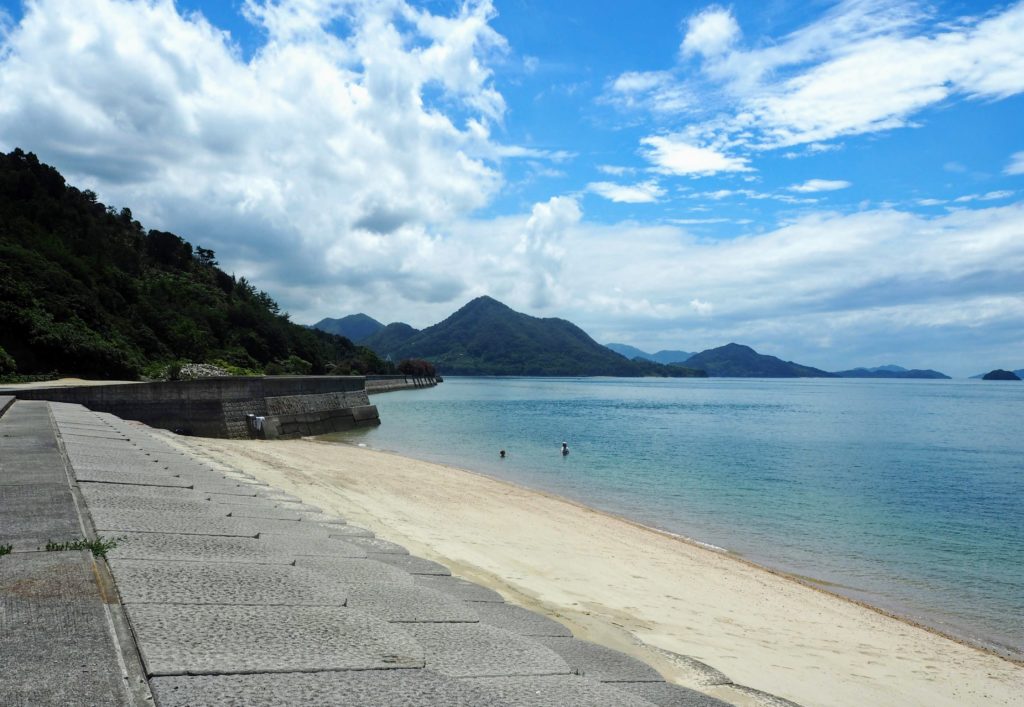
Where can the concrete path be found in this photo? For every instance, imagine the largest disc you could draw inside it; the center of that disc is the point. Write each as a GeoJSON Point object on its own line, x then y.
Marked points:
{"type": "Point", "coordinates": [58, 640]}
{"type": "Point", "coordinates": [238, 593]}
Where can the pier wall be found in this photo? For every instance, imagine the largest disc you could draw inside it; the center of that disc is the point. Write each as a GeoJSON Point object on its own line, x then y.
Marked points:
{"type": "Point", "coordinates": [384, 384]}
{"type": "Point", "coordinates": [274, 407]}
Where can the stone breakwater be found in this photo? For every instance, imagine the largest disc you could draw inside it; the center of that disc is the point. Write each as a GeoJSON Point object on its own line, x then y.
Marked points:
{"type": "Point", "coordinates": [222, 589]}
{"type": "Point", "coordinates": [384, 384]}
{"type": "Point", "coordinates": [234, 407]}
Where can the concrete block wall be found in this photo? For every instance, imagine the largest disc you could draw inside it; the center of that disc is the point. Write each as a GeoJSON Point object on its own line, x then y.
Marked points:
{"type": "Point", "coordinates": [384, 384]}
{"type": "Point", "coordinates": [234, 413]}
{"type": "Point", "coordinates": [217, 407]}
{"type": "Point", "coordinates": [290, 416]}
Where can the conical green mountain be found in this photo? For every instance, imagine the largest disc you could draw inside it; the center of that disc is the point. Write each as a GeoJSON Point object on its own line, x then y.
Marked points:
{"type": "Point", "coordinates": [736, 360]}
{"type": "Point", "coordinates": [354, 327]}
{"type": "Point", "coordinates": [485, 337]}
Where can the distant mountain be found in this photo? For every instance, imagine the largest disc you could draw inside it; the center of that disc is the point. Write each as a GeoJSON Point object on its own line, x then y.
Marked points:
{"type": "Point", "coordinates": [485, 337]}
{"type": "Point", "coordinates": [736, 360]}
{"type": "Point", "coordinates": [1001, 375]}
{"type": "Point", "coordinates": [891, 372]}
{"type": "Point", "coordinates": [389, 339]}
{"type": "Point", "coordinates": [355, 327]}
{"type": "Point", "coordinates": [663, 356]}
{"type": "Point", "coordinates": [1019, 373]}
{"type": "Point", "coordinates": [628, 351]}
{"type": "Point", "coordinates": [890, 368]}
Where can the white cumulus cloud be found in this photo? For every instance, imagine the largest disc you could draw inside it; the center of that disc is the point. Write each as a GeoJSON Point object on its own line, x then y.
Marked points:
{"type": "Point", "coordinates": [325, 158]}
{"type": "Point", "coordinates": [675, 155]}
{"type": "Point", "coordinates": [987, 196]}
{"type": "Point", "coordinates": [710, 32]}
{"type": "Point", "coordinates": [657, 91]}
{"type": "Point", "coordinates": [900, 276]}
{"type": "Point", "coordinates": [865, 66]}
{"type": "Point", "coordinates": [816, 185]}
{"type": "Point", "coordinates": [700, 307]}
{"type": "Point", "coordinates": [1016, 165]}
{"type": "Point", "coordinates": [541, 243]}
{"type": "Point", "coordinates": [642, 193]}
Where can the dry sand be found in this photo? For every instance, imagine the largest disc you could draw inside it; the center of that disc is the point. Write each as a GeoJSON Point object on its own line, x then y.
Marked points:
{"type": "Point", "coordinates": [667, 601]}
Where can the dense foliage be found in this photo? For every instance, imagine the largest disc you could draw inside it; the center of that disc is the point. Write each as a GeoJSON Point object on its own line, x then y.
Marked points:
{"type": "Point", "coordinates": [85, 290]}
{"type": "Point", "coordinates": [417, 367]}
{"type": "Point", "coordinates": [736, 360]}
{"type": "Point", "coordinates": [487, 338]}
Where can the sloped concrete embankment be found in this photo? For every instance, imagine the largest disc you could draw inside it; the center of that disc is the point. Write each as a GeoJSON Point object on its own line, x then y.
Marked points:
{"type": "Point", "coordinates": [236, 592]}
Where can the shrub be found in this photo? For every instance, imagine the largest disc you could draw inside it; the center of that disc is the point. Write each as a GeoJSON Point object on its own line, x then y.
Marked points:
{"type": "Point", "coordinates": [417, 367]}
{"type": "Point", "coordinates": [7, 362]}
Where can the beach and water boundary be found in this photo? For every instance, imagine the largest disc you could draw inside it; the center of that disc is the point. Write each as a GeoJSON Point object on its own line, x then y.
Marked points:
{"type": "Point", "coordinates": [900, 494]}
{"type": "Point", "coordinates": [699, 616]}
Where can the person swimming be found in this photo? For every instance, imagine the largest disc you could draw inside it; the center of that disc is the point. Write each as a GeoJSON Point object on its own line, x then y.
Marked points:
{"type": "Point", "coordinates": [565, 448]}
{"type": "Point", "coordinates": [502, 454]}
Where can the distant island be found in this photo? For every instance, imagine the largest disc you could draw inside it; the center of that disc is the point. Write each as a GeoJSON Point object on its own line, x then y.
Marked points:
{"type": "Point", "coordinates": [1019, 372]}
{"type": "Point", "coordinates": [739, 361]}
{"type": "Point", "coordinates": [891, 371]}
{"type": "Point", "coordinates": [743, 361]}
{"type": "Point", "coordinates": [486, 337]}
{"type": "Point", "coordinates": [1001, 375]}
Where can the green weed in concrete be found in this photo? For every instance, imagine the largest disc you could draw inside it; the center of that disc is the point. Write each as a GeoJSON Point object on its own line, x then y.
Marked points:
{"type": "Point", "coordinates": [6, 549]}
{"type": "Point", "coordinates": [98, 547]}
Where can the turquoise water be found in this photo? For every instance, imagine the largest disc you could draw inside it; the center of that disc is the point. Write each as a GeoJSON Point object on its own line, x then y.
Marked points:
{"type": "Point", "coordinates": [908, 495]}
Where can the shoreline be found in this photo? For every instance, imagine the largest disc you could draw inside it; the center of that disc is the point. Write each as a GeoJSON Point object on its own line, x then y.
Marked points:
{"type": "Point", "coordinates": [696, 614]}
{"type": "Point", "coordinates": [820, 585]}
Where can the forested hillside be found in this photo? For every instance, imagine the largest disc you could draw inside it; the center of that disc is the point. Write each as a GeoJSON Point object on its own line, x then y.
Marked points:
{"type": "Point", "coordinates": [86, 290]}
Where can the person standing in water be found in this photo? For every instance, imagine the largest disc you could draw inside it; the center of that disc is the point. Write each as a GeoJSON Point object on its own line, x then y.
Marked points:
{"type": "Point", "coordinates": [565, 449]}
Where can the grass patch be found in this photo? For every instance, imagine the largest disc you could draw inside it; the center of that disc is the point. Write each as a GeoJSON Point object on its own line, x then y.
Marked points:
{"type": "Point", "coordinates": [6, 549]}
{"type": "Point", "coordinates": [99, 547]}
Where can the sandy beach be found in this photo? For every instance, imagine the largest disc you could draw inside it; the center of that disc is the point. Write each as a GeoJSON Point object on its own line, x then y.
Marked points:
{"type": "Point", "coordinates": [700, 617]}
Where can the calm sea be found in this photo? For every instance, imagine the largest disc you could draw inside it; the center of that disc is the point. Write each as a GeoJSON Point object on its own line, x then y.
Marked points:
{"type": "Point", "coordinates": [908, 495]}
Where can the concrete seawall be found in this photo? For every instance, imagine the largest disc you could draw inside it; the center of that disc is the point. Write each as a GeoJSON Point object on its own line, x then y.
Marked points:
{"type": "Point", "coordinates": [215, 588]}
{"type": "Point", "coordinates": [385, 384]}
{"type": "Point", "coordinates": [235, 408]}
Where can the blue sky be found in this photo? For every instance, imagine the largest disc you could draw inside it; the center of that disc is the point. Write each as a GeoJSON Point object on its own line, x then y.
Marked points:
{"type": "Point", "coordinates": [837, 183]}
